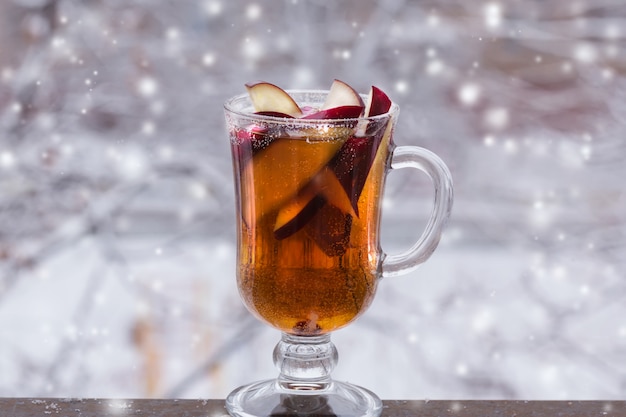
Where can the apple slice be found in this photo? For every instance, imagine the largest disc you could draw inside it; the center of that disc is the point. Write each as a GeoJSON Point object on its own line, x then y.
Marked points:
{"type": "Point", "coordinates": [324, 187]}
{"type": "Point", "coordinates": [341, 94]}
{"type": "Point", "coordinates": [351, 166]}
{"type": "Point", "coordinates": [354, 160]}
{"type": "Point", "coordinates": [377, 103]}
{"type": "Point", "coordinates": [272, 177]}
{"type": "Point", "coordinates": [267, 97]}
{"type": "Point", "coordinates": [296, 214]}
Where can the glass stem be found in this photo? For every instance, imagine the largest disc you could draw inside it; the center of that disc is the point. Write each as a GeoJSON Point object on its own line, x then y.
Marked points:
{"type": "Point", "coordinates": [305, 362]}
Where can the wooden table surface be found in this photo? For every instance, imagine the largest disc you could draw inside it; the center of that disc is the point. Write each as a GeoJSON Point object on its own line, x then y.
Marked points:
{"type": "Point", "coordinates": [61, 407]}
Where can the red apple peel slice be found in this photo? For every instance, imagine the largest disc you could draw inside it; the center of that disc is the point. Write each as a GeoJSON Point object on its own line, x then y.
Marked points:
{"type": "Point", "coordinates": [377, 103]}
{"type": "Point", "coordinates": [354, 160]}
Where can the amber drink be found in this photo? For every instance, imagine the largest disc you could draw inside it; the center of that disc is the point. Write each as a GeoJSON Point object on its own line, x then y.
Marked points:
{"type": "Point", "coordinates": [308, 213]}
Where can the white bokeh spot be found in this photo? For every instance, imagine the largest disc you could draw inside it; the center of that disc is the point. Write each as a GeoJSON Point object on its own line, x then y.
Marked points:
{"type": "Point", "coordinates": [492, 13]}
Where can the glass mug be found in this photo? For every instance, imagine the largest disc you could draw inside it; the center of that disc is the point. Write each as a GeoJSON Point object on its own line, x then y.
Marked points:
{"type": "Point", "coordinates": [308, 199]}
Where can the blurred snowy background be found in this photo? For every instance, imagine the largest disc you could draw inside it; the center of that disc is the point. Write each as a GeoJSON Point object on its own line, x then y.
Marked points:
{"type": "Point", "coordinates": [116, 199]}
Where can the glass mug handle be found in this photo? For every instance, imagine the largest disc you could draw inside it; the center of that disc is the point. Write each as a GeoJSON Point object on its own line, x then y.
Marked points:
{"type": "Point", "coordinates": [429, 163]}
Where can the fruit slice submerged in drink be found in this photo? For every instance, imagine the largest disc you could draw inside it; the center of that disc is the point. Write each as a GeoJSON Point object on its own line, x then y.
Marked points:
{"type": "Point", "coordinates": [354, 160]}
{"type": "Point", "coordinates": [272, 177]}
{"type": "Point", "coordinates": [323, 188]}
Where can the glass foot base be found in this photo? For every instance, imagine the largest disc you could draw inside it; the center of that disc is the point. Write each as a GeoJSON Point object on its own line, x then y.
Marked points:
{"type": "Point", "coordinates": [269, 398]}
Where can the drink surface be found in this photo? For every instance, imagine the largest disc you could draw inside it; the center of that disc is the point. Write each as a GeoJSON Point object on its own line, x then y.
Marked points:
{"type": "Point", "coordinates": [309, 207]}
